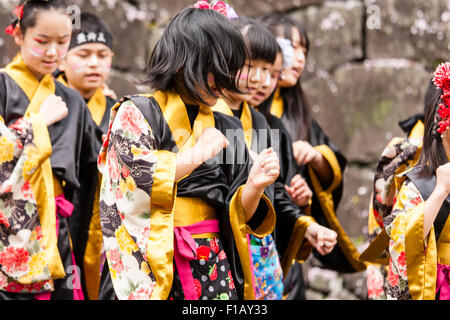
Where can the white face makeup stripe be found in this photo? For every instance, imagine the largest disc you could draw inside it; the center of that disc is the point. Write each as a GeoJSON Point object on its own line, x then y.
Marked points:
{"type": "Point", "coordinates": [93, 60]}
{"type": "Point", "coordinates": [267, 82]}
{"type": "Point", "coordinates": [37, 52]}
{"type": "Point", "coordinates": [52, 50]}
{"type": "Point", "coordinates": [258, 74]}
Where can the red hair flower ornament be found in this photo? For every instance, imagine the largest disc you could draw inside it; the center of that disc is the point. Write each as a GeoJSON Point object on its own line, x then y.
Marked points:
{"type": "Point", "coordinates": [18, 12]}
{"type": "Point", "coordinates": [441, 80]}
{"type": "Point", "coordinates": [218, 6]}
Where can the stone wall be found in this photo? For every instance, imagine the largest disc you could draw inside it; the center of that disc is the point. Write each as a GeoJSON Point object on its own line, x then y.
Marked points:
{"type": "Point", "coordinates": [368, 68]}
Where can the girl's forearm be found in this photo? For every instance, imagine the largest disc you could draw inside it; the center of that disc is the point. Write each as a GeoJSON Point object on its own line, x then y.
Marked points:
{"type": "Point", "coordinates": [187, 161]}
{"type": "Point", "coordinates": [432, 207]}
{"type": "Point", "coordinates": [250, 200]}
{"type": "Point", "coordinates": [323, 170]}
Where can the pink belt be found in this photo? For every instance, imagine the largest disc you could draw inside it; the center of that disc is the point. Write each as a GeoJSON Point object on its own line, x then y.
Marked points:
{"type": "Point", "coordinates": [443, 281]}
{"type": "Point", "coordinates": [64, 208]}
{"type": "Point", "coordinates": [185, 250]}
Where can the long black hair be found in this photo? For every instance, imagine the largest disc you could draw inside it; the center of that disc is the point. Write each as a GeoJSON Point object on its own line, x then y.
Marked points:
{"type": "Point", "coordinates": [195, 43]}
{"type": "Point", "coordinates": [296, 105]}
{"type": "Point", "coordinates": [433, 153]}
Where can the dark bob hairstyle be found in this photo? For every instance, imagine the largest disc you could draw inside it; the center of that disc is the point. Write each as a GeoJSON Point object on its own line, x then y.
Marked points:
{"type": "Point", "coordinates": [197, 42]}
{"type": "Point", "coordinates": [261, 43]}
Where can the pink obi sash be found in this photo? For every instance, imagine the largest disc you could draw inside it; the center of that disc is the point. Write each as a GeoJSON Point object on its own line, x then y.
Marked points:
{"type": "Point", "coordinates": [185, 250]}
{"type": "Point", "coordinates": [443, 281]}
{"type": "Point", "coordinates": [64, 208]}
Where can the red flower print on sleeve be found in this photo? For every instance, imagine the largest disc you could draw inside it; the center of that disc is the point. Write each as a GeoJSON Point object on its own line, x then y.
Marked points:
{"type": "Point", "coordinates": [416, 201]}
{"type": "Point", "coordinates": [14, 259]}
{"type": "Point", "coordinates": [4, 220]}
{"type": "Point", "coordinates": [130, 120]}
{"type": "Point", "coordinates": [392, 276]}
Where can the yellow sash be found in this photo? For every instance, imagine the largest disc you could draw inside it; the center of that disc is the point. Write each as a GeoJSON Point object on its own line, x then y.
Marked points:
{"type": "Point", "coordinates": [277, 107]}
{"type": "Point", "coordinates": [246, 118]}
{"type": "Point", "coordinates": [42, 179]}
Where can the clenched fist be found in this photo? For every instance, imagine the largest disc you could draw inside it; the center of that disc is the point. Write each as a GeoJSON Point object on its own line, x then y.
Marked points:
{"type": "Point", "coordinates": [53, 109]}
{"type": "Point", "coordinates": [265, 170]}
{"type": "Point", "coordinates": [210, 143]}
{"type": "Point", "coordinates": [299, 191]}
{"type": "Point", "coordinates": [321, 238]}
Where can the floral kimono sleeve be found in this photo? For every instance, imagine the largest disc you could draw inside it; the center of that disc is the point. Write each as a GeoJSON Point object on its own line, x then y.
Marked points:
{"type": "Point", "coordinates": [24, 146]}
{"type": "Point", "coordinates": [405, 229]}
{"type": "Point", "coordinates": [128, 162]}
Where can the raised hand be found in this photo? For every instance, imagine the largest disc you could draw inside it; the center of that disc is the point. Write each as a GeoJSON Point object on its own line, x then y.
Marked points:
{"type": "Point", "coordinates": [53, 109]}
{"type": "Point", "coordinates": [210, 143]}
{"type": "Point", "coordinates": [107, 91]}
{"type": "Point", "coordinates": [265, 170]}
{"type": "Point", "coordinates": [299, 191]}
{"type": "Point", "coordinates": [321, 238]}
{"type": "Point", "coordinates": [305, 153]}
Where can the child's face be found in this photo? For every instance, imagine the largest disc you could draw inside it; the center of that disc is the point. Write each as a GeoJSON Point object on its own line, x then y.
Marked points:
{"type": "Point", "coordinates": [207, 98]}
{"type": "Point", "coordinates": [44, 46]}
{"type": "Point", "coordinates": [251, 78]}
{"type": "Point", "coordinates": [269, 84]}
{"type": "Point", "coordinates": [291, 75]}
{"type": "Point", "coordinates": [87, 66]}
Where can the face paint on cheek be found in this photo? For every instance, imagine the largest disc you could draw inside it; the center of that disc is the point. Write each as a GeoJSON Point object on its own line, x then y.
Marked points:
{"type": "Point", "coordinates": [210, 79]}
{"type": "Point", "coordinates": [37, 52]}
{"type": "Point", "coordinates": [77, 69]}
{"type": "Point", "coordinates": [243, 76]}
{"type": "Point", "coordinates": [63, 53]}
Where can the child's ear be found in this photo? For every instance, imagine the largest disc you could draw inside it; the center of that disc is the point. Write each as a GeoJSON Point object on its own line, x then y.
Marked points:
{"type": "Point", "coordinates": [62, 65]}
{"type": "Point", "coordinates": [18, 36]}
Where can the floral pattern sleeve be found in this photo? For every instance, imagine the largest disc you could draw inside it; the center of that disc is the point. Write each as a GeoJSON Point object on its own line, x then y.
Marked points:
{"type": "Point", "coordinates": [407, 210]}
{"type": "Point", "coordinates": [24, 145]}
{"type": "Point", "coordinates": [128, 161]}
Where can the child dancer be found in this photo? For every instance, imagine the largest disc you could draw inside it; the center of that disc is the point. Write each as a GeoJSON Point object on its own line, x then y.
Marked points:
{"type": "Point", "coordinates": [48, 140]}
{"type": "Point", "coordinates": [418, 227]}
{"type": "Point", "coordinates": [400, 154]}
{"type": "Point", "coordinates": [174, 187]}
{"type": "Point", "coordinates": [319, 161]}
{"type": "Point", "coordinates": [86, 68]}
{"type": "Point", "coordinates": [292, 226]}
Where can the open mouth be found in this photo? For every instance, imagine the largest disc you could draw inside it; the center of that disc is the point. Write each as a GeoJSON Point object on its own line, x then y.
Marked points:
{"type": "Point", "coordinates": [259, 95]}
